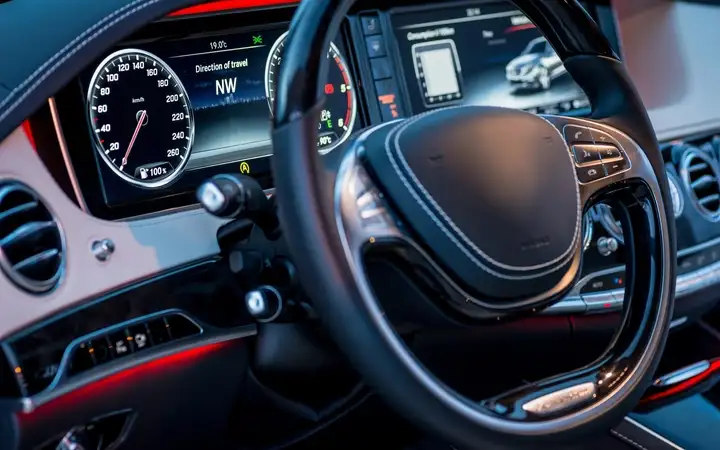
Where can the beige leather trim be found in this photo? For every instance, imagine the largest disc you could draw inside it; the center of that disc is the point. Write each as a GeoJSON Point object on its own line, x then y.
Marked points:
{"type": "Point", "coordinates": [143, 248]}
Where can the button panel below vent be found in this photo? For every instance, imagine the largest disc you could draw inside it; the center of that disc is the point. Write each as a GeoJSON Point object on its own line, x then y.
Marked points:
{"type": "Point", "coordinates": [31, 242]}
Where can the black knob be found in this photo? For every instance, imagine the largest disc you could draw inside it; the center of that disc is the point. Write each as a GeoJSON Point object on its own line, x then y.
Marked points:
{"type": "Point", "coordinates": [264, 303]}
{"type": "Point", "coordinates": [239, 196]}
{"type": "Point", "coordinates": [223, 196]}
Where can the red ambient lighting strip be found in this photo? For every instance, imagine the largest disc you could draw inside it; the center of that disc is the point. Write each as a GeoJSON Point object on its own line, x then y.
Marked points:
{"type": "Point", "coordinates": [227, 5]}
{"type": "Point", "coordinates": [98, 388]}
{"type": "Point", "coordinates": [687, 384]}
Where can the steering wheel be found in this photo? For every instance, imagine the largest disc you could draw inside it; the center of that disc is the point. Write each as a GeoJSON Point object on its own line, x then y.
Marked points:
{"type": "Point", "coordinates": [488, 202]}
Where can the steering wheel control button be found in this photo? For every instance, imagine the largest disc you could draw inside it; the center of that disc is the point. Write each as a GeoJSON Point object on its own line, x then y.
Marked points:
{"type": "Point", "coordinates": [586, 154]}
{"type": "Point", "coordinates": [603, 138]}
{"type": "Point", "coordinates": [264, 303]}
{"type": "Point", "coordinates": [615, 167]}
{"type": "Point", "coordinates": [608, 152]}
{"type": "Point", "coordinates": [588, 174]}
{"type": "Point", "coordinates": [576, 134]}
{"type": "Point", "coordinates": [561, 400]}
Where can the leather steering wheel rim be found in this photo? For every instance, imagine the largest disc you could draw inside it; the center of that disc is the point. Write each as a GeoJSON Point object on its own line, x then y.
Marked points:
{"type": "Point", "coordinates": [309, 207]}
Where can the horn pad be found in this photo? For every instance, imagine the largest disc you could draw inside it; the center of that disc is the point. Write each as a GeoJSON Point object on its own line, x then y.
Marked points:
{"type": "Point", "coordinates": [490, 192]}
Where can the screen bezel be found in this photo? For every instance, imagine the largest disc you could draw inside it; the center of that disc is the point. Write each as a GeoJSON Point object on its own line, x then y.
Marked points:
{"type": "Point", "coordinates": [396, 52]}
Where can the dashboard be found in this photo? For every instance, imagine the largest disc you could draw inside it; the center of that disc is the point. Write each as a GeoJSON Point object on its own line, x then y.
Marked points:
{"type": "Point", "coordinates": [189, 98]}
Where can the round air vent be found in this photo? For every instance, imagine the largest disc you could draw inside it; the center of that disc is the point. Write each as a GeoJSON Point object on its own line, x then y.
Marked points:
{"type": "Point", "coordinates": [31, 243]}
{"type": "Point", "coordinates": [699, 172]}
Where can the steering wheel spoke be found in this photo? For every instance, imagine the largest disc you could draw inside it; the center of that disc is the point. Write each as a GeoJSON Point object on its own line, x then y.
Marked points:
{"type": "Point", "coordinates": [365, 216]}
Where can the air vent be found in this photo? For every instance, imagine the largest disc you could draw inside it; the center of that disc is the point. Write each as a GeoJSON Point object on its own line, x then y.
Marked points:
{"type": "Point", "coordinates": [700, 175]}
{"type": "Point", "coordinates": [31, 243]}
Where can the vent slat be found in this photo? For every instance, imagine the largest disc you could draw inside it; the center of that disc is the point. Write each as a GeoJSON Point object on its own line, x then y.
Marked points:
{"type": "Point", "coordinates": [698, 167]}
{"type": "Point", "coordinates": [703, 181]}
{"type": "Point", "coordinates": [18, 209]}
{"type": "Point", "coordinates": [39, 258]}
{"type": "Point", "coordinates": [709, 199]}
{"type": "Point", "coordinates": [25, 232]}
{"type": "Point", "coordinates": [31, 244]}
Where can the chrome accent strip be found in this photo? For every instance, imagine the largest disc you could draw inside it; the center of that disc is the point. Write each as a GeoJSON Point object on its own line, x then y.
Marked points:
{"type": "Point", "coordinates": [66, 155]}
{"type": "Point", "coordinates": [683, 374]}
{"type": "Point", "coordinates": [696, 248]}
{"type": "Point", "coordinates": [569, 305]}
{"type": "Point", "coordinates": [560, 400]}
{"type": "Point", "coordinates": [677, 322]}
{"type": "Point", "coordinates": [686, 284]}
{"type": "Point", "coordinates": [654, 434]}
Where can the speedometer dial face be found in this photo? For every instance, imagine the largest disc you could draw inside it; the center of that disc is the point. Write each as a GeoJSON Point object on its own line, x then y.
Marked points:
{"type": "Point", "coordinates": [140, 118]}
{"type": "Point", "coordinates": [338, 115]}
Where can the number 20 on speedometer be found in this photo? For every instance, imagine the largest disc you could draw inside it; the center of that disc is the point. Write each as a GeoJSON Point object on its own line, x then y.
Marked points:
{"type": "Point", "coordinates": [140, 117]}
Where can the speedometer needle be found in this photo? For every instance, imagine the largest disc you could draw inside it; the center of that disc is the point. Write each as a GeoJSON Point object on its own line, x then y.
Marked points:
{"type": "Point", "coordinates": [141, 120]}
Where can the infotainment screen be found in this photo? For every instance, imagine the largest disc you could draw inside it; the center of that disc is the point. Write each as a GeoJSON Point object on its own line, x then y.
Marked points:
{"type": "Point", "coordinates": [481, 54]}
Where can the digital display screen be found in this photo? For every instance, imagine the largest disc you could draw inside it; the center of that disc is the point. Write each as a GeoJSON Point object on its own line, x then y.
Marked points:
{"type": "Point", "coordinates": [146, 144]}
{"type": "Point", "coordinates": [225, 81]}
{"type": "Point", "coordinates": [484, 54]}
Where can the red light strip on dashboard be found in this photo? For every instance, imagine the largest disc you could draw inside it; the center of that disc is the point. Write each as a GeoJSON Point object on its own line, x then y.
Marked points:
{"type": "Point", "coordinates": [93, 390]}
{"type": "Point", "coordinates": [687, 384]}
{"type": "Point", "coordinates": [28, 132]}
{"type": "Point", "coordinates": [227, 5]}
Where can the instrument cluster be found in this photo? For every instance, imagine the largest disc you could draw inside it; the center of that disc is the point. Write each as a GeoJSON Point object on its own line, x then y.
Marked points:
{"type": "Point", "coordinates": [156, 110]}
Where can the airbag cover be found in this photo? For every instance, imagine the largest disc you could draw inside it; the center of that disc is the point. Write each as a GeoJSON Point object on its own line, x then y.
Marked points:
{"type": "Point", "coordinates": [492, 193]}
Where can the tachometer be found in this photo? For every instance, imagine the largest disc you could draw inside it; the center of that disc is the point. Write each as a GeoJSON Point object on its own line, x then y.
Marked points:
{"type": "Point", "coordinates": [338, 115]}
{"type": "Point", "coordinates": [140, 118]}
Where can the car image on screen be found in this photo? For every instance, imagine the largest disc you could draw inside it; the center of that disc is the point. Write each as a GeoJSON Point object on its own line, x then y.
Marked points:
{"type": "Point", "coordinates": [536, 67]}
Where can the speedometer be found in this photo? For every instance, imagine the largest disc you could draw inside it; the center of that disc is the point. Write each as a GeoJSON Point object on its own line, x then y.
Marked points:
{"type": "Point", "coordinates": [140, 118]}
{"type": "Point", "coordinates": [338, 115]}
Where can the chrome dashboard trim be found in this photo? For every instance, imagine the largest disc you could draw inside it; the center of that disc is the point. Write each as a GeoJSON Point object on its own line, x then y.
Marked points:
{"type": "Point", "coordinates": [683, 374]}
{"type": "Point", "coordinates": [686, 284]}
{"type": "Point", "coordinates": [66, 154]}
{"type": "Point", "coordinates": [560, 400]}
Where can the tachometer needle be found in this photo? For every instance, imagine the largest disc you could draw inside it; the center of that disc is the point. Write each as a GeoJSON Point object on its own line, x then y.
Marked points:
{"type": "Point", "coordinates": [141, 120]}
